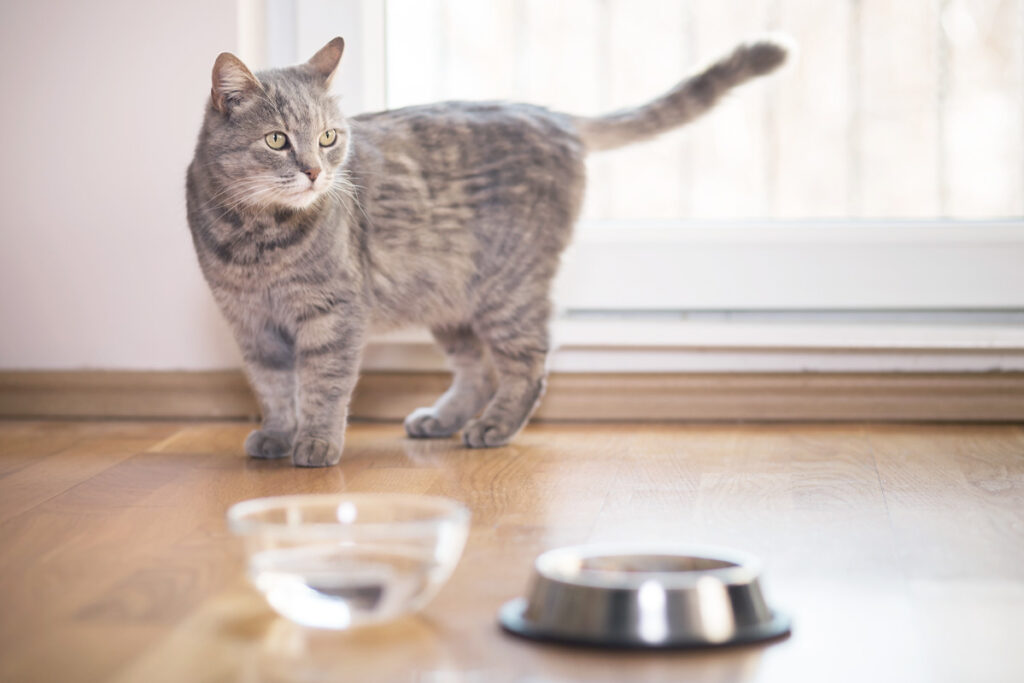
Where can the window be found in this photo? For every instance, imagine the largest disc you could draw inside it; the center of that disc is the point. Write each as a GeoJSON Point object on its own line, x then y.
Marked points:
{"type": "Point", "coordinates": [908, 109]}
{"type": "Point", "coordinates": [882, 171]}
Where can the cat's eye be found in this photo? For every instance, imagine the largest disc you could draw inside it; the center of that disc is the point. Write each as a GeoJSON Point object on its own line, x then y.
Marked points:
{"type": "Point", "coordinates": [328, 137]}
{"type": "Point", "coordinates": [276, 140]}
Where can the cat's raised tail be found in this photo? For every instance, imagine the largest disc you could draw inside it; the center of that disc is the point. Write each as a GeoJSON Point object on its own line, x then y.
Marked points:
{"type": "Point", "coordinates": [691, 98]}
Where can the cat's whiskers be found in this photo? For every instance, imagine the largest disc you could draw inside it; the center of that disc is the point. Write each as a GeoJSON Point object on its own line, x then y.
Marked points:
{"type": "Point", "coordinates": [251, 199]}
{"type": "Point", "coordinates": [241, 193]}
{"type": "Point", "coordinates": [227, 191]}
{"type": "Point", "coordinates": [235, 190]}
{"type": "Point", "coordinates": [342, 184]}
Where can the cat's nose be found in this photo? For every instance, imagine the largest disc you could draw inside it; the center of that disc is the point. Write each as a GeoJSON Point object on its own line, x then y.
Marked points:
{"type": "Point", "coordinates": [312, 173]}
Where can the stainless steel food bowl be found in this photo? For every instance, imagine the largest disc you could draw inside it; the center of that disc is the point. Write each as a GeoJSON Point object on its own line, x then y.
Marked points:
{"type": "Point", "coordinates": [635, 597]}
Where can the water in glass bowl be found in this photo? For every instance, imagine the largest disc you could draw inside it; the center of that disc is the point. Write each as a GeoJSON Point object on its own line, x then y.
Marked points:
{"type": "Point", "coordinates": [340, 586]}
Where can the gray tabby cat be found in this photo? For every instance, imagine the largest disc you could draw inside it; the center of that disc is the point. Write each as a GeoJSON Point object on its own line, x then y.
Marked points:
{"type": "Point", "coordinates": [311, 227]}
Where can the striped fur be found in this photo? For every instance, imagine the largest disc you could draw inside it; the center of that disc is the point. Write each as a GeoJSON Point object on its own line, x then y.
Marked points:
{"type": "Point", "coordinates": [452, 216]}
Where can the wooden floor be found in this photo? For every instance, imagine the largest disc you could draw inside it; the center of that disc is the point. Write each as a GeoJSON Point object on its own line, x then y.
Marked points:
{"type": "Point", "coordinates": [898, 550]}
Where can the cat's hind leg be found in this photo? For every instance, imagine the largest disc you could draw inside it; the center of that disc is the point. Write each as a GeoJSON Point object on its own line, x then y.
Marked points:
{"type": "Point", "coordinates": [473, 385]}
{"type": "Point", "coordinates": [518, 340]}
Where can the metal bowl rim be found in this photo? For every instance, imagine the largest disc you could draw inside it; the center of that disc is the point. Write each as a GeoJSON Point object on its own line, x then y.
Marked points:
{"type": "Point", "coordinates": [746, 570]}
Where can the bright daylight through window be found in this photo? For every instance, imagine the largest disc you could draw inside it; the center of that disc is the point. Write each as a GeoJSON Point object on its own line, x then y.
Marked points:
{"type": "Point", "coordinates": [882, 170]}
{"type": "Point", "coordinates": [909, 109]}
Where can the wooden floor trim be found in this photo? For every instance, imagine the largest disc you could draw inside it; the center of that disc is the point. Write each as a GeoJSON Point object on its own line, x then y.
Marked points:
{"type": "Point", "coordinates": [934, 397]}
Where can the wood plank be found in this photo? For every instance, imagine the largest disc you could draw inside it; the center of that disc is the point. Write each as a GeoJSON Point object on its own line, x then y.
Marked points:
{"type": "Point", "coordinates": [45, 476]}
{"type": "Point", "coordinates": [832, 397]}
{"type": "Point", "coordinates": [140, 544]}
{"type": "Point", "coordinates": [954, 615]}
{"type": "Point", "coordinates": [23, 443]}
{"type": "Point", "coordinates": [982, 536]}
{"type": "Point", "coordinates": [896, 548]}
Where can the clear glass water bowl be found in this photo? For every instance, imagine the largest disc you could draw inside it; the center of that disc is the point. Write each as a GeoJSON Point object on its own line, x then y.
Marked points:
{"type": "Point", "coordinates": [345, 560]}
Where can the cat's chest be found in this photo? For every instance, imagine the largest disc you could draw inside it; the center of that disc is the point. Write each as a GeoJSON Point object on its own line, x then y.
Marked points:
{"type": "Point", "coordinates": [258, 249]}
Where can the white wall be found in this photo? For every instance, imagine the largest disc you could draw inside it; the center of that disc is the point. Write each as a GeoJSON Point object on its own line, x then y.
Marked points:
{"type": "Point", "coordinates": [102, 102]}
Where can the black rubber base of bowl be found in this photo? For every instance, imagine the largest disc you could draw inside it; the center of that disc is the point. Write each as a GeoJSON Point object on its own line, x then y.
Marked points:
{"type": "Point", "coordinates": [511, 618]}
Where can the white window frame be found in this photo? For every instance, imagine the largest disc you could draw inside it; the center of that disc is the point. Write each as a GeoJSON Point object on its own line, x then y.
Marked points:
{"type": "Point", "coordinates": [855, 265]}
{"type": "Point", "coordinates": [799, 265]}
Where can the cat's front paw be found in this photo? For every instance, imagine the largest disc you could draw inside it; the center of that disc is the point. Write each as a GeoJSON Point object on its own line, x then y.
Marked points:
{"type": "Point", "coordinates": [487, 434]}
{"type": "Point", "coordinates": [268, 444]}
{"type": "Point", "coordinates": [424, 423]}
{"type": "Point", "coordinates": [314, 452]}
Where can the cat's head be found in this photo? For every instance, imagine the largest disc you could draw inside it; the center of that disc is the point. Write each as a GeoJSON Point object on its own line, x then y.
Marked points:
{"type": "Point", "coordinates": [277, 138]}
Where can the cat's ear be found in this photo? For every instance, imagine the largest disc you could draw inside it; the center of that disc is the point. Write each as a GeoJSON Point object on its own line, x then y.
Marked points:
{"type": "Point", "coordinates": [232, 82]}
{"type": "Point", "coordinates": [325, 62]}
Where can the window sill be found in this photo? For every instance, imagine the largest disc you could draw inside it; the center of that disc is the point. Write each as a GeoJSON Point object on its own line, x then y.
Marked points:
{"type": "Point", "coordinates": [658, 346]}
{"type": "Point", "coordinates": [795, 265]}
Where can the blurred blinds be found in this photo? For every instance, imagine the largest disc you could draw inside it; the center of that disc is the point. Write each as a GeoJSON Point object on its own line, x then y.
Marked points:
{"type": "Point", "coordinates": [909, 109]}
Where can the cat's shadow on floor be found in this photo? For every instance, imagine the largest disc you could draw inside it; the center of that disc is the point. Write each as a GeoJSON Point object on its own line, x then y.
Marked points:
{"type": "Point", "coordinates": [448, 452]}
{"type": "Point", "coordinates": [398, 450]}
